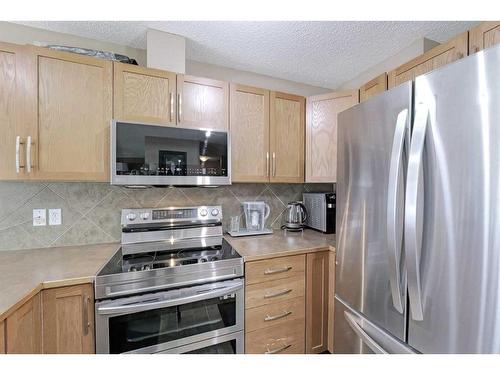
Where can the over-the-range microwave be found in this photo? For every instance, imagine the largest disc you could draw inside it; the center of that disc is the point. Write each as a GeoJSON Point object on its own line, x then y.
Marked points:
{"type": "Point", "coordinates": [149, 154]}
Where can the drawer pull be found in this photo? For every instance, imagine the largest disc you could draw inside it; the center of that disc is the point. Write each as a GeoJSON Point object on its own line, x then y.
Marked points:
{"type": "Point", "coordinates": [270, 318]}
{"type": "Point", "coordinates": [278, 270]}
{"type": "Point", "coordinates": [278, 350]}
{"type": "Point", "coordinates": [277, 294]}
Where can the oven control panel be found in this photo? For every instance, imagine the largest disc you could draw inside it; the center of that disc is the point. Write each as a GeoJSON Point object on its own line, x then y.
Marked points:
{"type": "Point", "coordinates": [171, 215]}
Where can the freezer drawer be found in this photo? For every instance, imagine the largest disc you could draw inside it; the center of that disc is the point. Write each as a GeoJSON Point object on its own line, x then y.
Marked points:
{"type": "Point", "coordinates": [354, 334]}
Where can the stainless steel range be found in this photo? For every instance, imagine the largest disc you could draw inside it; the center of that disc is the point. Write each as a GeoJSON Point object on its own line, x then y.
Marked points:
{"type": "Point", "coordinates": [175, 286]}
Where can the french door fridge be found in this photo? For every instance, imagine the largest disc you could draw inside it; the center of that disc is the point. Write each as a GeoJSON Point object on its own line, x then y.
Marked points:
{"type": "Point", "coordinates": [418, 192]}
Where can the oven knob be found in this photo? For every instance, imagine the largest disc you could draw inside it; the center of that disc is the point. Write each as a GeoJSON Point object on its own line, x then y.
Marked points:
{"type": "Point", "coordinates": [203, 212]}
{"type": "Point", "coordinates": [215, 212]}
{"type": "Point", "coordinates": [145, 215]}
{"type": "Point", "coordinates": [131, 216]}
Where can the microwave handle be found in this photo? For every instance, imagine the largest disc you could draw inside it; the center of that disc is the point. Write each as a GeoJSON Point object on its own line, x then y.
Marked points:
{"type": "Point", "coordinates": [138, 307]}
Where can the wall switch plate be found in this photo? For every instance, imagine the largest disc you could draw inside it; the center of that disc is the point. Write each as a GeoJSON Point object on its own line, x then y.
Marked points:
{"type": "Point", "coordinates": [39, 217]}
{"type": "Point", "coordinates": [55, 217]}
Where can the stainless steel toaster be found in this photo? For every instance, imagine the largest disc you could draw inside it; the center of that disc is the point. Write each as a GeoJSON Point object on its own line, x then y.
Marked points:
{"type": "Point", "coordinates": [320, 209]}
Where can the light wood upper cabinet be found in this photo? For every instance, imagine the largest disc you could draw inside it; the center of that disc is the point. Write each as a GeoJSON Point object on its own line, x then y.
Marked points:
{"type": "Point", "coordinates": [483, 36]}
{"type": "Point", "coordinates": [373, 87]}
{"type": "Point", "coordinates": [287, 137]}
{"type": "Point", "coordinates": [24, 328]}
{"type": "Point", "coordinates": [2, 337]}
{"type": "Point", "coordinates": [144, 94]}
{"type": "Point", "coordinates": [17, 108]}
{"type": "Point", "coordinates": [438, 56]}
{"type": "Point", "coordinates": [321, 134]}
{"type": "Point", "coordinates": [317, 302]}
{"type": "Point", "coordinates": [68, 320]}
{"type": "Point", "coordinates": [202, 103]}
{"type": "Point", "coordinates": [249, 118]}
{"type": "Point", "coordinates": [74, 95]}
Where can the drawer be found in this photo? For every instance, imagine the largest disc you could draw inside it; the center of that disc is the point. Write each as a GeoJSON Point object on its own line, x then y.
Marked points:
{"type": "Point", "coordinates": [274, 291]}
{"type": "Point", "coordinates": [274, 269]}
{"type": "Point", "coordinates": [274, 314]}
{"type": "Point", "coordinates": [284, 338]}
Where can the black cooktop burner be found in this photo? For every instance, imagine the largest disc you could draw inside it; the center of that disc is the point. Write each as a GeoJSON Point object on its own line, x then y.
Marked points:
{"type": "Point", "coordinates": [169, 258]}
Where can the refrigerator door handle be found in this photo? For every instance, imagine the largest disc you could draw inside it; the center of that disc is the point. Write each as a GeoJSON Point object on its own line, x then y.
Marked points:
{"type": "Point", "coordinates": [413, 235]}
{"type": "Point", "coordinates": [354, 323]}
{"type": "Point", "coordinates": [394, 212]}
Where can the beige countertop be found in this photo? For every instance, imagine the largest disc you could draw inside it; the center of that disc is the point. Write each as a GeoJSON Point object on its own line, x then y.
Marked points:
{"type": "Point", "coordinates": [281, 243]}
{"type": "Point", "coordinates": [23, 273]}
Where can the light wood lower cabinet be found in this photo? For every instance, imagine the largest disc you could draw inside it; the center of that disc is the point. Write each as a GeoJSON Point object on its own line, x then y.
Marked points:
{"type": "Point", "coordinates": [438, 56]}
{"type": "Point", "coordinates": [68, 320]}
{"type": "Point", "coordinates": [287, 304]}
{"type": "Point", "coordinates": [285, 338]}
{"type": "Point", "coordinates": [57, 321]}
{"type": "Point", "coordinates": [483, 36]}
{"type": "Point", "coordinates": [317, 277]}
{"type": "Point", "coordinates": [24, 328]}
{"type": "Point", "coordinates": [373, 87]}
{"type": "Point", "coordinates": [321, 133]}
{"type": "Point", "coordinates": [287, 137]}
{"type": "Point", "coordinates": [2, 337]}
{"type": "Point", "coordinates": [202, 103]}
{"type": "Point", "coordinates": [331, 298]}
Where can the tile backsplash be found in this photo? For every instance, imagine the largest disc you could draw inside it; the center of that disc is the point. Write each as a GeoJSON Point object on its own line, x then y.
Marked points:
{"type": "Point", "coordinates": [91, 211]}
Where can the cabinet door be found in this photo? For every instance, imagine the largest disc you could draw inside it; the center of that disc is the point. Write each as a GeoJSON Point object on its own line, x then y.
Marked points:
{"type": "Point", "coordinates": [321, 134]}
{"type": "Point", "coordinates": [74, 116]}
{"type": "Point", "coordinates": [249, 134]}
{"type": "Point", "coordinates": [68, 320]}
{"type": "Point", "coordinates": [483, 36]}
{"type": "Point", "coordinates": [24, 328]}
{"type": "Point", "coordinates": [2, 337]}
{"type": "Point", "coordinates": [373, 87]}
{"type": "Point", "coordinates": [287, 137]}
{"type": "Point", "coordinates": [17, 109]}
{"type": "Point", "coordinates": [144, 94]}
{"type": "Point", "coordinates": [317, 302]}
{"type": "Point", "coordinates": [202, 103]}
{"type": "Point", "coordinates": [441, 55]}
{"type": "Point", "coordinates": [331, 298]}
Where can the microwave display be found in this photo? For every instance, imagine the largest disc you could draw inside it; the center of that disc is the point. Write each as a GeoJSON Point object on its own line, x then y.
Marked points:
{"type": "Point", "coordinates": [163, 151]}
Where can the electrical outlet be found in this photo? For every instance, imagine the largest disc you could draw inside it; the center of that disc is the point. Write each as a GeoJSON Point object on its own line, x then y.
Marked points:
{"type": "Point", "coordinates": [39, 217]}
{"type": "Point", "coordinates": [55, 217]}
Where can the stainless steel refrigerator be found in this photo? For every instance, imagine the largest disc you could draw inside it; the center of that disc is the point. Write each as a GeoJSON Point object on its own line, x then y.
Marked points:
{"type": "Point", "coordinates": [418, 212]}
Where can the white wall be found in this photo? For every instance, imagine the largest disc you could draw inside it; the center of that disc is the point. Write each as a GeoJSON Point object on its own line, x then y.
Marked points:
{"type": "Point", "coordinates": [406, 54]}
{"type": "Point", "coordinates": [251, 79]}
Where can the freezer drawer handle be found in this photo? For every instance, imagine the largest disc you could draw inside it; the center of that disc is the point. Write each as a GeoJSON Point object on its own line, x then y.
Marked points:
{"type": "Point", "coordinates": [277, 270]}
{"type": "Point", "coordinates": [371, 343]}
{"type": "Point", "coordinates": [394, 212]}
{"type": "Point", "coordinates": [277, 294]}
{"type": "Point", "coordinates": [413, 215]}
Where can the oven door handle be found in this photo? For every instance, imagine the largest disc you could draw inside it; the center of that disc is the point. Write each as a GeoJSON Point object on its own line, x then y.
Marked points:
{"type": "Point", "coordinates": [138, 307]}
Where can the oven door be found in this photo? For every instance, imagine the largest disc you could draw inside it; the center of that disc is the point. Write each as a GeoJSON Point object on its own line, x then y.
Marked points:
{"type": "Point", "coordinates": [156, 322]}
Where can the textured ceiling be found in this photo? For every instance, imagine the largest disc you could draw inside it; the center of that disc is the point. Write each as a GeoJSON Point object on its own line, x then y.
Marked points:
{"type": "Point", "coordinates": [324, 54]}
